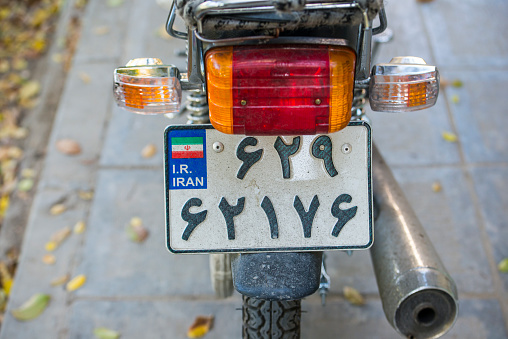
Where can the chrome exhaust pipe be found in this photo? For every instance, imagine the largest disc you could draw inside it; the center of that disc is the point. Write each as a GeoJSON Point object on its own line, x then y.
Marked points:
{"type": "Point", "coordinates": [419, 297]}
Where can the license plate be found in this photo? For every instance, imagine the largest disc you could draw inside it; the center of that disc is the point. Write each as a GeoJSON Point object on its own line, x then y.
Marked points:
{"type": "Point", "coordinates": [236, 193]}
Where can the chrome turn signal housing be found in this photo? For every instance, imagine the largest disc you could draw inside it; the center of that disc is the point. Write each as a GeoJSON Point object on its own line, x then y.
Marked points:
{"type": "Point", "coordinates": [147, 86]}
{"type": "Point", "coordinates": [404, 84]}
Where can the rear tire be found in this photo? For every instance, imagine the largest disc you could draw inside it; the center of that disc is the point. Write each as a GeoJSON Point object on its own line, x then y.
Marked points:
{"type": "Point", "coordinates": [220, 271]}
{"type": "Point", "coordinates": [264, 319]}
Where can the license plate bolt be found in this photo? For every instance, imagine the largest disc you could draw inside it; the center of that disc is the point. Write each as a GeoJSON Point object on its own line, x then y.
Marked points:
{"type": "Point", "coordinates": [218, 147]}
{"type": "Point", "coordinates": [346, 148]}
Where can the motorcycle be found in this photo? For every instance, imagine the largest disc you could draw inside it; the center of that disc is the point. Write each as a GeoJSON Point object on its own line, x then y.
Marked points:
{"type": "Point", "coordinates": [287, 168]}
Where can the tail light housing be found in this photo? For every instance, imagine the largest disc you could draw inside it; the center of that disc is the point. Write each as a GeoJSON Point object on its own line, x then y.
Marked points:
{"type": "Point", "coordinates": [404, 84]}
{"type": "Point", "coordinates": [274, 90]}
{"type": "Point", "coordinates": [146, 86]}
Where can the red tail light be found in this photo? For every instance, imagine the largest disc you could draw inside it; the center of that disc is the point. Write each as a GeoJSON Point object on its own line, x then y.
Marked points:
{"type": "Point", "coordinates": [267, 90]}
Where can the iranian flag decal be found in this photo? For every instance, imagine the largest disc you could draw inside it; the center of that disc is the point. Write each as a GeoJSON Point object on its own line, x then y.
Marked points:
{"type": "Point", "coordinates": [187, 147]}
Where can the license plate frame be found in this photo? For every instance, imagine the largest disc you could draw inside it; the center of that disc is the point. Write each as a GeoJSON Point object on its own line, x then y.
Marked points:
{"type": "Point", "coordinates": [177, 228]}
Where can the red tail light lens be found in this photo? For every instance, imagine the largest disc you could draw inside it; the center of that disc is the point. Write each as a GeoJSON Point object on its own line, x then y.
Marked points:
{"type": "Point", "coordinates": [267, 90]}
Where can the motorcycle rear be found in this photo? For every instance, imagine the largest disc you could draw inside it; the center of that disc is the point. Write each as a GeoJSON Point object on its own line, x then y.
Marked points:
{"type": "Point", "coordinates": [287, 167]}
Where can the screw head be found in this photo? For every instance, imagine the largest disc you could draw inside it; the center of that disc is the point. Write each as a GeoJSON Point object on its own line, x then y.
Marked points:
{"type": "Point", "coordinates": [317, 101]}
{"type": "Point", "coordinates": [243, 102]}
{"type": "Point", "coordinates": [218, 147]}
{"type": "Point", "coordinates": [346, 148]}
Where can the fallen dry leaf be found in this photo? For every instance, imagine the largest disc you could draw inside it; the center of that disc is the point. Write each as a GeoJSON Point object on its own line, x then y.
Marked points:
{"type": "Point", "coordinates": [436, 187]}
{"type": "Point", "coordinates": [457, 83]}
{"type": "Point", "coordinates": [136, 231]}
{"type": "Point", "coordinates": [76, 283]}
{"type": "Point", "coordinates": [6, 278]}
{"type": "Point", "coordinates": [85, 77]}
{"type": "Point", "coordinates": [101, 30]}
{"type": "Point", "coordinates": [68, 146]}
{"type": "Point", "coordinates": [57, 209]}
{"type": "Point", "coordinates": [455, 99]}
{"type": "Point", "coordinates": [353, 296]}
{"type": "Point", "coordinates": [60, 280]}
{"type": "Point", "coordinates": [114, 3]}
{"type": "Point", "coordinates": [503, 266]}
{"type": "Point", "coordinates": [136, 222]}
{"type": "Point", "coordinates": [49, 259]}
{"type": "Point", "coordinates": [27, 173]}
{"type": "Point", "coordinates": [29, 90]}
{"type": "Point", "coordinates": [32, 308]}
{"type": "Point", "coordinates": [85, 195]}
{"type": "Point", "coordinates": [57, 238]}
{"type": "Point", "coordinates": [450, 137]}
{"type": "Point", "coordinates": [80, 227]}
{"type": "Point", "coordinates": [149, 151]}
{"type": "Point", "coordinates": [106, 333]}
{"type": "Point", "coordinates": [201, 326]}
{"type": "Point", "coordinates": [26, 184]}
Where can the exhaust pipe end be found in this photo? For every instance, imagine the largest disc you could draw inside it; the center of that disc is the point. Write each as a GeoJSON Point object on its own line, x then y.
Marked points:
{"type": "Point", "coordinates": [427, 304]}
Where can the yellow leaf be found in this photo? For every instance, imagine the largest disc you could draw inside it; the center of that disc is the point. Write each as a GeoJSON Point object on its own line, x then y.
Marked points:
{"type": "Point", "coordinates": [4, 66]}
{"type": "Point", "coordinates": [457, 83]}
{"type": "Point", "coordinates": [455, 99]}
{"type": "Point", "coordinates": [4, 204]}
{"type": "Point", "coordinates": [503, 266]}
{"type": "Point", "coordinates": [57, 238]}
{"type": "Point", "coordinates": [57, 58]}
{"type": "Point", "coordinates": [353, 296]}
{"type": "Point", "coordinates": [32, 308]}
{"type": "Point", "coordinates": [114, 3]}
{"type": "Point", "coordinates": [85, 77]}
{"type": "Point", "coordinates": [85, 195]}
{"type": "Point", "coordinates": [19, 64]}
{"type": "Point", "coordinates": [6, 276]}
{"type": "Point", "coordinates": [436, 187]}
{"type": "Point", "coordinates": [101, 30]}
{"type": "Point", "coordinates": [60, 280]}
{"type": "Point", "coordinates": [50, 246]}
{"type": "Point", "coordinates": [450, 137]}
{"type": "Point", "coordinates": [149, 151]}
{"type": "Point", "coordinates": [201, 326]}
{"type": "Point", "coordinates": [49, 259]}
{"type": "Point", "coordinates": [105, 333]}
{"type": "Point", "coordinates": [57, 209]}
{"type": "Point", "coordinates": [27, 173]}
{"type": "Point", "coordinates": [29, 90]}
{"type": "Point", "coordinates": [76, 283]}
{"type": "Point", "coordinates": [80, 227]}
{"type": "Point", "coordinates": [136, 222]}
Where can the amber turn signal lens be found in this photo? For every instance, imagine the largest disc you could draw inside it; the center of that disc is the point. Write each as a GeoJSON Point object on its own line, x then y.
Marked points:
{"type": "Point", "coordinates": [280, 90]}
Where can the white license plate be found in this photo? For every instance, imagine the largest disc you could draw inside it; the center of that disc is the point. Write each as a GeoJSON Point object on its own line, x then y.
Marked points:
{"type": "Point", "coordinates": [235, 193]}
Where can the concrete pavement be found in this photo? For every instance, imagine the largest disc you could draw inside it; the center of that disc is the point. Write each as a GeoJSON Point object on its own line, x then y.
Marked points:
{"type": "Point", "coordinates": [142, 290]}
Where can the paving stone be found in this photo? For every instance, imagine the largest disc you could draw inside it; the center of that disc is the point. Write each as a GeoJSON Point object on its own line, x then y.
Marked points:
{"type": "Point", "coordinates": [451, 225]}
{"type": "Point", "coordinates": [33, 276]}
{"type": "Point", "coordinates": [154, 319]}
{"type": "Point", "coordinates": [414, 138]}
{"type": "Point", "coordinates": [129, 133]}
{"type": "Point", "coordinates": [81, 116]}
{"type": "Point", "coordinates": [408, 33]}
{"type": "Point", "coordinates": [117, 266]}
{"type": "Point", "coordinates": [467, 35]}
{"type": "Point", "coordinates": [147, 38]}
{"type": "Point", "coordinates": [450, 222]}
{"type": "Point", "coordinates": [477, 319]}
{"type": "Point", "coordinates": [492, 185]}
{"type": "Point", "coordinates": [103, 31]}
{"type": "Point", "coordinates": [480, 114]}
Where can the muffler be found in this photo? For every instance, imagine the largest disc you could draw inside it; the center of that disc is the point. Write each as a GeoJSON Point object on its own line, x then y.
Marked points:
{"type": "Point", "coordinates": [419, 297]}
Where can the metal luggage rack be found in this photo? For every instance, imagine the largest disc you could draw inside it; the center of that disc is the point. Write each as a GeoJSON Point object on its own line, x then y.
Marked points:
{"type": "Point", "coordinates": [195, 38]}
{"type": "Point", "coordinates": [231, 8]}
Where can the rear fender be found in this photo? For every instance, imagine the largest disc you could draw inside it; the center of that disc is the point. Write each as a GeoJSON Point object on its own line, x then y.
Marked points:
{"type": "Point", "coordinates": [277, 276]}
